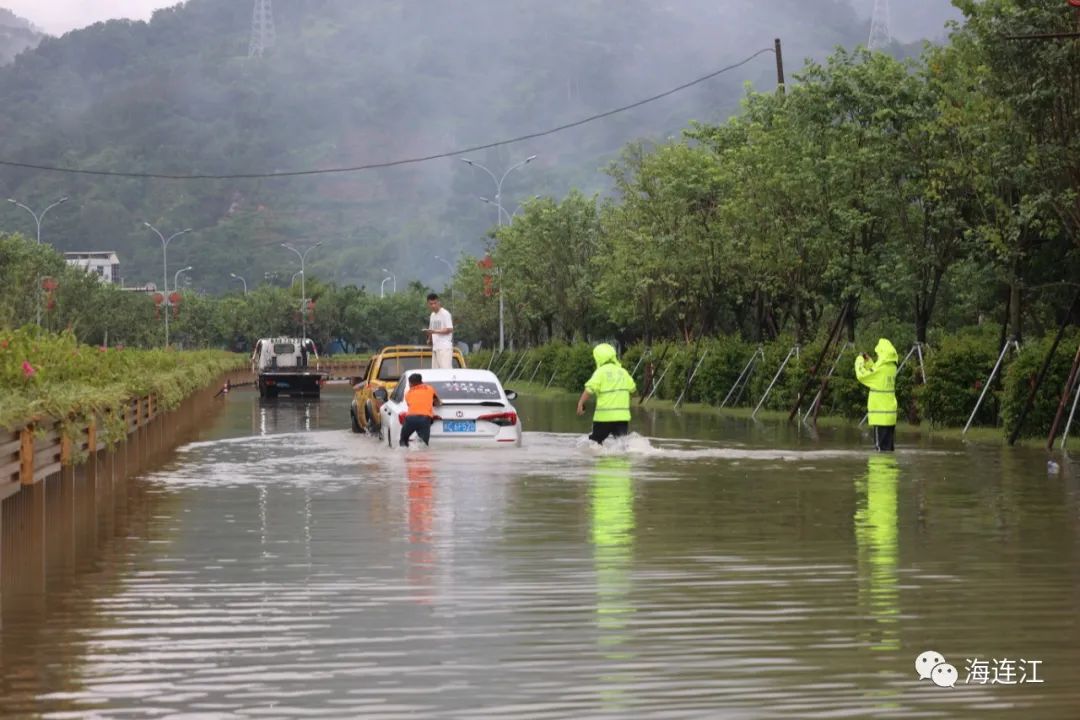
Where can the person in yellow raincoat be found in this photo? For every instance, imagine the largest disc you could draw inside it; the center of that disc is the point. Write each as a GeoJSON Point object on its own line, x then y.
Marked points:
{"type": "Point", "coordinates": [880, 377]}
{"type": "Point", "coordinates": [612, 387]}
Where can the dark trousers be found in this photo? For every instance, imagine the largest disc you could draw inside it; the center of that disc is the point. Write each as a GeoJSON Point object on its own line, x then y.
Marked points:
{"type": "Point", "coordinates": [601, 431]}
{"type": "Point", "coordinates": [884, 436]}
{"type": "Point", "coordinates": [419, 424]}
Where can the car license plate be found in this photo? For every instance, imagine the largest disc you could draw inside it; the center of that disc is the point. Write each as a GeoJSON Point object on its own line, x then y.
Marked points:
{"type": "Point", "coordinates": [459, 426]}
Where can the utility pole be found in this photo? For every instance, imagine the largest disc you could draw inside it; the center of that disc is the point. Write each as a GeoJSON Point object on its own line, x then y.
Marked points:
{"type": "Point", "coordinates": [262, 29]}
{"type": "Point", "coordinates": [778, 50]}
{"type": "Point", "coordinates": [880, 31]}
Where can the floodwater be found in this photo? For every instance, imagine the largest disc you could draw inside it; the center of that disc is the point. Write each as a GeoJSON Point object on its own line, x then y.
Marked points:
{"type": "Point", "coordinates": [280, 566]}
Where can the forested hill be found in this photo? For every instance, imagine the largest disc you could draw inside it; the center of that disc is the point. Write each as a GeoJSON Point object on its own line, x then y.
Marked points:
{"type": "Point", "coordinates": [351, 83]}
{"type": "Point", "coordinates": [16, 34]}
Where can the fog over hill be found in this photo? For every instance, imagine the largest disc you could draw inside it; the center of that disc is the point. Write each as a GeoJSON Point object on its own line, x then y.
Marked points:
{"type": "Point", "coordinates": [351, 83]}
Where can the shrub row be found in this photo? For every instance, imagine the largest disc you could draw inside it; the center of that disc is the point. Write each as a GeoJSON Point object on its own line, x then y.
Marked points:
{"type": "Point", "coordinates": [52, 375]}
{"type": "Point", "coordinates": [956, 370]}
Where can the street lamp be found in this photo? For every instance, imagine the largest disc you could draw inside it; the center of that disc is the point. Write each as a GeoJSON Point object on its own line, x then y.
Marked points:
{"type": "Point", "coordinates": [502, 210]}
{"type": "Point", "coordinates": [237, 277]}
{"type": "Point", "coordinates": [393, 276]}
{"type": "Point", "coordinates": [303, 283]}
{"type": "Point", "coordinates": [38, 218]}
{"type": "Point", "coordinates": [450, 267]}
{"type": "Point", "coordinates": [176, 278]}
{"type": "Point", "coordinates": [382, 287]}
{"type": "Point", "coordinates": [165, 269]}
{"type": "Point", "coordinates": [292, 280]}
{"type": "Point", "coordinates": [498, 203]}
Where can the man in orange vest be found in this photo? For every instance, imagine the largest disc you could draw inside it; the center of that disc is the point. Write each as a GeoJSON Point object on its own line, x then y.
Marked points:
{"type": "Point", "coordinates": [422, 401]}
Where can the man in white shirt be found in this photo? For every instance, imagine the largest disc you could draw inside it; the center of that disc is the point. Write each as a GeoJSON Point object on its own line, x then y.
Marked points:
{"type": "Point", "coordinates": [440, 333]}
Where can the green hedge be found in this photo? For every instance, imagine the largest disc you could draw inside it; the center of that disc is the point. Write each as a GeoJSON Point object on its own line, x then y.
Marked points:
{"type": "Point", "coordinates": [1021, 376]}
{"type": "Point", "coordinates": [51, 375]}
{"type": "Point", "coordinates": [955, 369]}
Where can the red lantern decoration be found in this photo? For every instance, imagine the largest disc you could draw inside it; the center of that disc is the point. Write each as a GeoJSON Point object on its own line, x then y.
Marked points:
{"type": "Point", "coordinates": [489, 284]}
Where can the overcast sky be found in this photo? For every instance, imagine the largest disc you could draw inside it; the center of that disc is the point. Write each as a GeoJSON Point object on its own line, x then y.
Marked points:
{"type": "Point", "coordinates": [59, 16]}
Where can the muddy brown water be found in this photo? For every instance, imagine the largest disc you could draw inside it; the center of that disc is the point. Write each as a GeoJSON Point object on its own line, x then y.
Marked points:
{"type": "Point", "coordinates": [280, 566]}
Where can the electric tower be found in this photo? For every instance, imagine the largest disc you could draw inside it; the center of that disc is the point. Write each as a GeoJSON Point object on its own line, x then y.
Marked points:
{"type": "Point", "coordinates": [262, 29]}
{"type": "Point", "coordinates": [880, 33]}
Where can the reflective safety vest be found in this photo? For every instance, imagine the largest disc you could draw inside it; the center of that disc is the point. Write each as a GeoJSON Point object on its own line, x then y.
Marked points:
{"type": "Point", "coordinates": [880, 378]}
{"type": "Point", "coordinates": [612, 387]}
{"type": "Point", "coordinates": [421, 400]}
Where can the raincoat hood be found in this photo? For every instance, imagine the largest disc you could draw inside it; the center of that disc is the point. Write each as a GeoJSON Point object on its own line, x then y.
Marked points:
{"type": "Point", "coordinates": [604, 354]}
{"type": "Point", "coordinates": [885, 352]}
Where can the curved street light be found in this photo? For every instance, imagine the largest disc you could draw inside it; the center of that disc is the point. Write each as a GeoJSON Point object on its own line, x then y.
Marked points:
{"type": "Point", "coordinates": [392, 276]}
{"type": "Point", "coordinates": [165, 268]}
{"type": "Point", "coordinates": [498, 203]}
{"type": "Point", "coordinates": [38, 218]}
{"type": "Point", "coordinates": [303, 282]}
{"type": "Point", "coordinates": [382, 287]}
{"type": "Point", "coordinates": [234, 276]}
{"type": "Point", "coordinates": [176, 277]}
{"type": "Point", "coordinates": [450, 267]}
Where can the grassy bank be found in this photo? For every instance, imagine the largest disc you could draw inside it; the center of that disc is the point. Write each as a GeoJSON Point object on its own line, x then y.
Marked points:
{"type": "Point", "coordinates": [981, 435]}
{"type": "Point", "coordinates": [956, 369]}
{"type": "Point", "coordinates": [52, 376]}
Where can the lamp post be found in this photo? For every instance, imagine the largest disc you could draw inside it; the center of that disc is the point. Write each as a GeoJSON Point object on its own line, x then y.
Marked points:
{"type": "Point", "coordinates": [38, 218]}
{"type": "Point", "coordinates": [450, 267]}
{"type": "Point", "coordinates": [303, 283]}
{"type": "Point", "coordinates": [176, 277]}
{"type": "Point", "coordinates": [498, 203]}
{"type": "Point", "coordinates": [165, 269]}
{"type": "Point", "coordinates": [382, 287]}
{"type": "Point", "coordinates": [392, 277]}
{"type": "Point", "coordinates": [502, 210]}
{"type": "Point", "coordinates": [292, 280]}
{"type": "Point", "coordinates": [237, 277]}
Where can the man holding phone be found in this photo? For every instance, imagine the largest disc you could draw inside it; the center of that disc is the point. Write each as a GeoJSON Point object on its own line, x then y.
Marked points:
{"type": "Point", "coordinates": [880, 377]}
{"type": "Point", "coordinates": [440, 332]}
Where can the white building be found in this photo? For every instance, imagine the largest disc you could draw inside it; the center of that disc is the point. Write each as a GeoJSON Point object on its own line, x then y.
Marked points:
{"type": "Point", "coordinates": [102, 263]}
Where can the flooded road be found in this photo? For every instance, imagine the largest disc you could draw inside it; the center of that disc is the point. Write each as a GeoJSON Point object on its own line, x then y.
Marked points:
{"type": "Point", "coordinates": [280, 566]}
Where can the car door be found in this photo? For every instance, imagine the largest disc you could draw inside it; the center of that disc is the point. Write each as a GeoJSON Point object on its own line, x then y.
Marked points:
{"type": "Point", "coordinates": [390, 408]}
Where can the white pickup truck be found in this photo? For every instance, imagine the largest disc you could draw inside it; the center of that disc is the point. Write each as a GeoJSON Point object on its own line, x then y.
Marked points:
{"type": "Point", "coordinates": [287, 366]}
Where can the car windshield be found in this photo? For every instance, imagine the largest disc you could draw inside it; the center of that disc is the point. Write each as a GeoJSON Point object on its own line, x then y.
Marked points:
{"type": "Point", "coordinates": [456, 390]}
{"type": "Point", "coordinates": [393, 368]}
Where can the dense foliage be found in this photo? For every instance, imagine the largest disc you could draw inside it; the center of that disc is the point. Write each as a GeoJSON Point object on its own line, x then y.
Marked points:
{"type": "Point", "coordinates": [344, 317]}
{"type": "Point", "coordinates": [933, 193]}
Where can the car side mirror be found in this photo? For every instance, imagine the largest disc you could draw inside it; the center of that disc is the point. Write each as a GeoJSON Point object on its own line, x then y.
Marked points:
{"type": "Point", "coordinates": [380, 395]}
{"type": "Point", "coordinates": [511, 395]}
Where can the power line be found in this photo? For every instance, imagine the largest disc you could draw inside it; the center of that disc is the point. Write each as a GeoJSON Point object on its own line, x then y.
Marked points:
{"type": "Point", "coordinates": [389, 163]}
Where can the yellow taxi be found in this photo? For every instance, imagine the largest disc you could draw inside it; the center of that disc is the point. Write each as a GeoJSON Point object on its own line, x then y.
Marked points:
{"type": "Point", "coordinates": [381, 377]}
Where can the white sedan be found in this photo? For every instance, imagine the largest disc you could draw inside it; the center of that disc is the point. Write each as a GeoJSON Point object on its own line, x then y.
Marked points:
{"type": "Point", "coordinates": [475, 409]}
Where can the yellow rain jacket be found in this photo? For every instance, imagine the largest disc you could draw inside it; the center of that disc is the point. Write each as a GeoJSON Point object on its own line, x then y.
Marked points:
{"type": "Point", "coordinates": [611, 385]}
{"type": "Point", "coordinates": [880, 377]}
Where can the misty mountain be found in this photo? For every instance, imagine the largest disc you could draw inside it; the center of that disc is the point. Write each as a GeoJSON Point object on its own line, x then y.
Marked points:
{"type": "Point", "coordinates": [16, 34]}
{"type": "Point", "coordinates": [350, 83]}
{"type": "Point", "coordinates": [914, 20]}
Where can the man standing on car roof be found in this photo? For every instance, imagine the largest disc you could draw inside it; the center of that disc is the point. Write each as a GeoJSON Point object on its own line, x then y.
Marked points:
{"type": "Point", "coordinates": [612, 387]}
{"type": "Point", "coordinates": [440, 334]}
{"type": "Point", "coordinates": [422, 401]}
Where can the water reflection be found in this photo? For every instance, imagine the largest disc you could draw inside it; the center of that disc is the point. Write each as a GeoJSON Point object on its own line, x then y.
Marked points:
{"type": "Point", "coordinates": [878, 551]}
{"type": "Point", "coordinates": [612, 497]}
{"type": "Point", "coordinates": [421, 507]}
